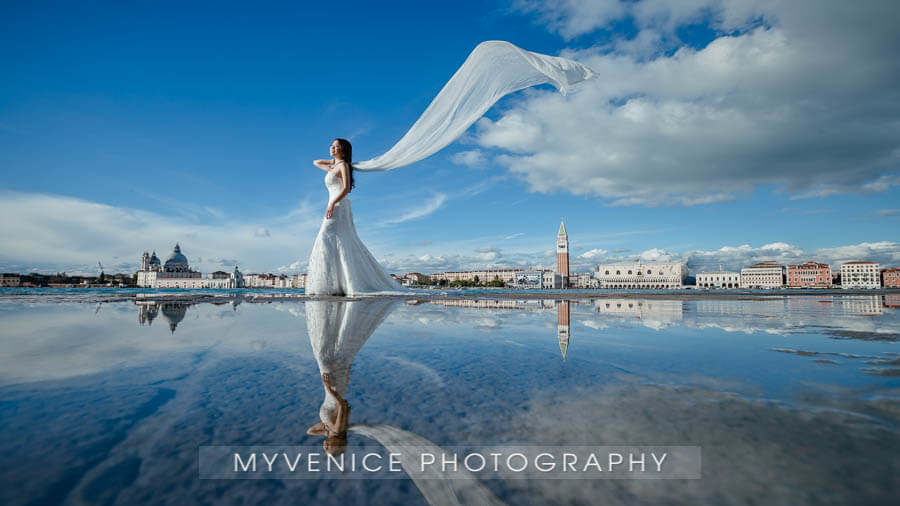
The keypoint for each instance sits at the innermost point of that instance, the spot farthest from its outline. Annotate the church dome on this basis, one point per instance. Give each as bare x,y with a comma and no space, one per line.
176,262
154,260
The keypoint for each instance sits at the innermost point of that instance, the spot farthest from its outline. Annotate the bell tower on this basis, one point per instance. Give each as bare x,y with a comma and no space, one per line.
562,254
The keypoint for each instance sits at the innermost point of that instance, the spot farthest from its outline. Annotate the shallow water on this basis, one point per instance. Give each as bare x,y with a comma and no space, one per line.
792,400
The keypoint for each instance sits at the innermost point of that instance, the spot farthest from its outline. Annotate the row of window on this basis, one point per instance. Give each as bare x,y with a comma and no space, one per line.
619,273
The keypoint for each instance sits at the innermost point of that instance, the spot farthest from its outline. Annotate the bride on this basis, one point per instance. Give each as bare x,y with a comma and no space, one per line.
339,263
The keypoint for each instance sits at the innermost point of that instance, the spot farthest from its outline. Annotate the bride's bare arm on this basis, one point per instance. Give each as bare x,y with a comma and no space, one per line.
325,165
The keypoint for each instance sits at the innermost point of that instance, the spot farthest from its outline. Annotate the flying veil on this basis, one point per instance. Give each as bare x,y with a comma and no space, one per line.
493,70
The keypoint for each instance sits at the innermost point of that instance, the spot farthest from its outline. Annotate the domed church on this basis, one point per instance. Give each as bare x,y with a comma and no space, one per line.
177,273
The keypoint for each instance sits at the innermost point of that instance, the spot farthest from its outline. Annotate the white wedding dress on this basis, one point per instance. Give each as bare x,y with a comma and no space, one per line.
339,263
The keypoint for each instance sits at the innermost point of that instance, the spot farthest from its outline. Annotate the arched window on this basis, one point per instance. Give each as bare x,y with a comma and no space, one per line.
629,272
649,271
607,273
618,272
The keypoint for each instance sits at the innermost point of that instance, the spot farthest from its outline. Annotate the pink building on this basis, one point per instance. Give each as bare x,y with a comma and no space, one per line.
890,278
810,274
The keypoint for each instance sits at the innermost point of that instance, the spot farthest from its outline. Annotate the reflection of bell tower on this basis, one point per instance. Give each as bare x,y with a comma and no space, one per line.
562,326
562,255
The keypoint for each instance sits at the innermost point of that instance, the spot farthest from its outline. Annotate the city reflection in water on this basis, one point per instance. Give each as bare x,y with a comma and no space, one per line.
791,398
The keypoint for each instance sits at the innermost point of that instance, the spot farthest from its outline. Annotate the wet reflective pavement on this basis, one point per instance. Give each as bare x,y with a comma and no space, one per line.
793,399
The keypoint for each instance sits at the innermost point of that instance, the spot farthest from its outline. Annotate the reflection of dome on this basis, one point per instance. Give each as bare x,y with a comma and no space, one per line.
174,312
176,262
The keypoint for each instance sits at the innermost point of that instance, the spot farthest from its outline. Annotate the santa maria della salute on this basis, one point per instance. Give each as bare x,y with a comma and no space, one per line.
177,273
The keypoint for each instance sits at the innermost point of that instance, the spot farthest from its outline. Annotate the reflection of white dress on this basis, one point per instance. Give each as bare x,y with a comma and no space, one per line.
339,263
337,330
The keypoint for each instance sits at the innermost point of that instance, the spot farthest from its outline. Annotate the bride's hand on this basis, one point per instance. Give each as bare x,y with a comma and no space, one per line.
330,211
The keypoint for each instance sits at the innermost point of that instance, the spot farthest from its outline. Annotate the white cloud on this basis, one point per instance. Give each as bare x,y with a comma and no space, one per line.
54,233
781,97
261,232
474,159
423,210
594,253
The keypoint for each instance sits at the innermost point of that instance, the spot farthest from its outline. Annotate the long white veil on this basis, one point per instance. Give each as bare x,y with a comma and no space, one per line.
494,69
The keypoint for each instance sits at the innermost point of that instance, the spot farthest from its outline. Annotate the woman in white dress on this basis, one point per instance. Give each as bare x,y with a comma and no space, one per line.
339,263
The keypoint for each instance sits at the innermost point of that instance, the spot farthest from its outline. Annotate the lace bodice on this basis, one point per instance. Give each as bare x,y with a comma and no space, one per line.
333,183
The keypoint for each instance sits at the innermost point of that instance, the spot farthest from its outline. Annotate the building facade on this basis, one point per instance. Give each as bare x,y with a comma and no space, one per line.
809,275
10,280
861,274
505,275
638,275
177,273
890,278
562,254
763,275
719,279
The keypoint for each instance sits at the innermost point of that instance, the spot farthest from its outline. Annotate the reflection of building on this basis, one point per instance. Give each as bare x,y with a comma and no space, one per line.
176,273
644,309
174,312
862,274
763,275
865,305
562,327
810,274
640,275
891,300
562,255
890,278
718,279
147,311
494,304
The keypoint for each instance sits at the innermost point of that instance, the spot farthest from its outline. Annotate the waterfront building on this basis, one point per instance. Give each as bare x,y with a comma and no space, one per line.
529,279
810,274
562,254
10,280
763,275
177,273
507,276
860,274
718,279
270,281
583,280
890,278
638,275
415,278
298,281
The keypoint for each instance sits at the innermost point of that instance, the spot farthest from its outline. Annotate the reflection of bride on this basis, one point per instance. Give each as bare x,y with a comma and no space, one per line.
337,331
339,263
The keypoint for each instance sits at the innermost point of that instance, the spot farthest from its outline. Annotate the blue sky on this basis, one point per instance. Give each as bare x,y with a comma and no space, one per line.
718,131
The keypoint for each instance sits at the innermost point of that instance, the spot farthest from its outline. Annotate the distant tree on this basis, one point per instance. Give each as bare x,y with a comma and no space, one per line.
476,279
102,277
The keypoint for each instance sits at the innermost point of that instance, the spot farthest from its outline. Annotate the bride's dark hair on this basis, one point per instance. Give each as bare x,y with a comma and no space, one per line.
347,151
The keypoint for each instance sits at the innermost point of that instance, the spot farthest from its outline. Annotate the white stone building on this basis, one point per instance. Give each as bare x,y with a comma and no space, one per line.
861,274
638,275
176,273
719,279
763,275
